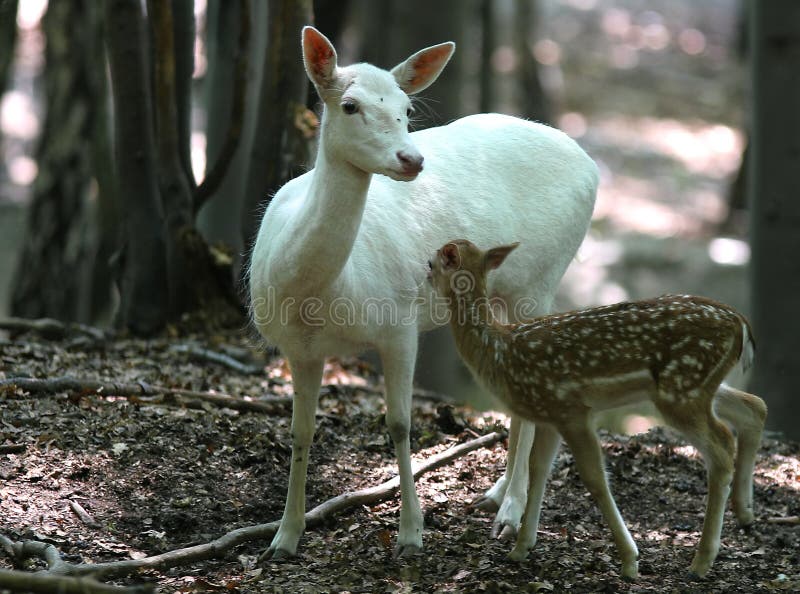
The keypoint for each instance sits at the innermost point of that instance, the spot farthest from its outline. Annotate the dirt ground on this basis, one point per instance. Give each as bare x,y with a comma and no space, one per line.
156,478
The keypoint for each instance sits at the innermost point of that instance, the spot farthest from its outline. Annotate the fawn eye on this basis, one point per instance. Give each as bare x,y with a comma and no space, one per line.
409,111
349,107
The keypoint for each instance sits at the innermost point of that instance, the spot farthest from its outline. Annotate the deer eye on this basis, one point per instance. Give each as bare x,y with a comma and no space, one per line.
409,111
349,107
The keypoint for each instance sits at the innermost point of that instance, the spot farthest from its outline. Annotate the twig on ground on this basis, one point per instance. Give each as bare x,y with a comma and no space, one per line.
83,515
315,517
199,352
138,392
791,520
47,583
12,448
50,328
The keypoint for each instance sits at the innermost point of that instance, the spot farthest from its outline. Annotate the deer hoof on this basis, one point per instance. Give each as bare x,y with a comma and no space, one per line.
630,571
275,554
406,551
504,531
485,504
518,554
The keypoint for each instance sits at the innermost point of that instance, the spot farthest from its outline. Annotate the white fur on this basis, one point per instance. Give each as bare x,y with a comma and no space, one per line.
341,236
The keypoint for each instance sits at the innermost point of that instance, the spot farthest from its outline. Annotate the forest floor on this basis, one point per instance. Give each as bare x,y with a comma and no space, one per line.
160,476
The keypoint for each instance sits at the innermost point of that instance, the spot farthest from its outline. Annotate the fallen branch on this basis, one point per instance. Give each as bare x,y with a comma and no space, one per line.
83,515
50,328
12,448
48,583
19,551
199,352
790,520
137,393
315,517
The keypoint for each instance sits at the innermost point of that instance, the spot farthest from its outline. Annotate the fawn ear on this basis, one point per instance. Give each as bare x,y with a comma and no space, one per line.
424,67
449,256
496,256
319,58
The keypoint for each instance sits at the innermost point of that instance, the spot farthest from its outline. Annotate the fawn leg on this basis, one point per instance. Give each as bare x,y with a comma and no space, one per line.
306,376
588,455
493,498
508,518
715,442
746,413
545,448
507,496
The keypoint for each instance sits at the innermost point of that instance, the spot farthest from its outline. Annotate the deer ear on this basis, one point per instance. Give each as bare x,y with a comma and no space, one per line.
319,58
424,67
449,256
496,256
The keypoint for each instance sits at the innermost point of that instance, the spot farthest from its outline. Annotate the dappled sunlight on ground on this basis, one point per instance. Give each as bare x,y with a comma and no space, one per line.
784,470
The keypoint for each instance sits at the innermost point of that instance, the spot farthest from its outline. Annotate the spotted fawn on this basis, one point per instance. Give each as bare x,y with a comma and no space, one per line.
559,370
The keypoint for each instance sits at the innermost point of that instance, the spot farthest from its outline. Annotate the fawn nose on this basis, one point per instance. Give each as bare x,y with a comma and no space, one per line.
411,163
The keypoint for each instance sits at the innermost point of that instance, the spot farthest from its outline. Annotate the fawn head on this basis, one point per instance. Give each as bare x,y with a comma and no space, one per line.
460,267
367,109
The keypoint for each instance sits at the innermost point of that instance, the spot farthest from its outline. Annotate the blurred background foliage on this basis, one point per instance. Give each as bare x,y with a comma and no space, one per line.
141,141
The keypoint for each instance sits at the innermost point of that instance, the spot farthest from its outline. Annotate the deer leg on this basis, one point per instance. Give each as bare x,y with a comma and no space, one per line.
493,498
746,413
509,493
306,378
545,448
715,442
508,518
398,369
588,455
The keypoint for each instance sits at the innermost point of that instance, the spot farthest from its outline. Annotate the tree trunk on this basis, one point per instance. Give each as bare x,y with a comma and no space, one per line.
533,101
487,21
144,295
420,23
95,301
280,146
48,276
219,219
172,181
8,38
774,190
183,31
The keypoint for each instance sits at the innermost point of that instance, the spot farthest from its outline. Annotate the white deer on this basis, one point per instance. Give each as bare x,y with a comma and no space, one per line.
559,370
339,262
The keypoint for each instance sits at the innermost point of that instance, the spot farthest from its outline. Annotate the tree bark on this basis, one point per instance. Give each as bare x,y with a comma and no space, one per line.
420,23
96,301
144,296
173,183
220,218
533,100
183,32
8,38
281,144
774,183
487,49
224,133
48,276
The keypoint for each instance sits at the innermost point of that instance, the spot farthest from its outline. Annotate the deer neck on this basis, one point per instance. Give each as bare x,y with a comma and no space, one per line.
324,230
480,337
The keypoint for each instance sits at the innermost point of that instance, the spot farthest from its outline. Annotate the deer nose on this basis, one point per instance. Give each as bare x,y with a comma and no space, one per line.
411,163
